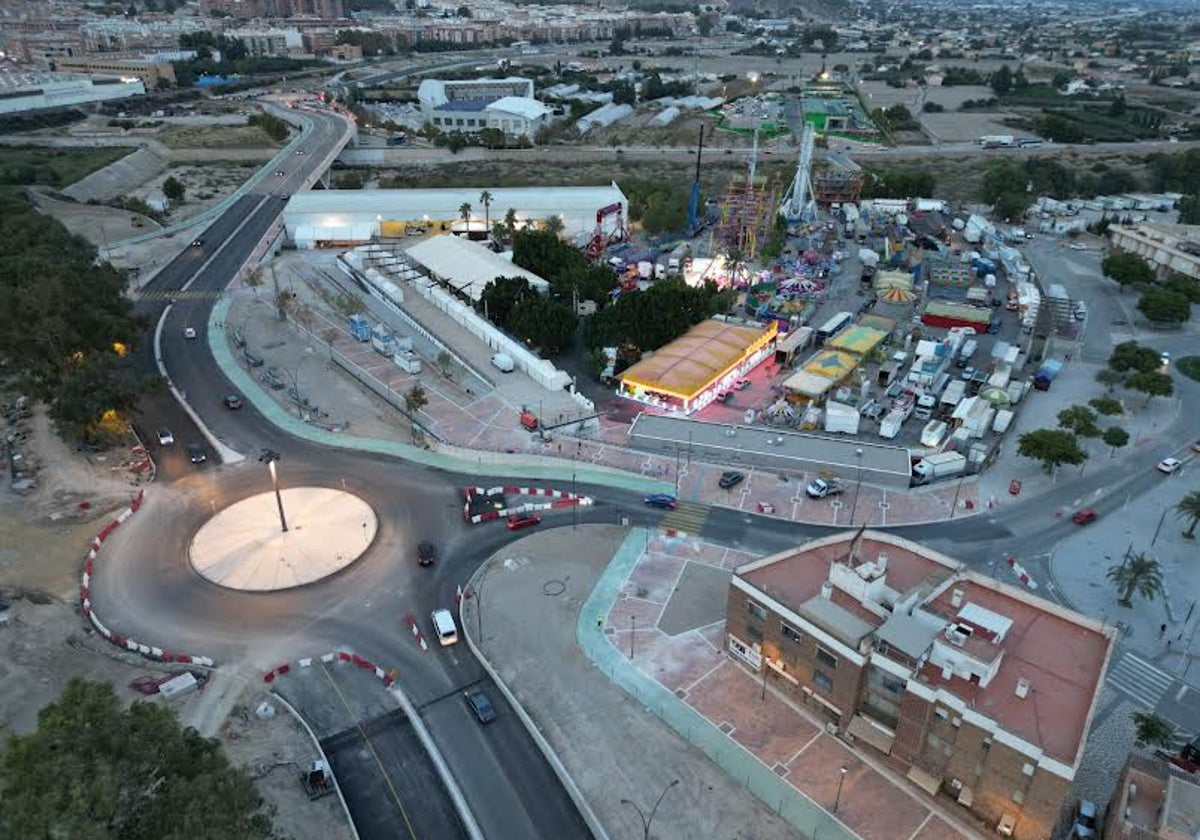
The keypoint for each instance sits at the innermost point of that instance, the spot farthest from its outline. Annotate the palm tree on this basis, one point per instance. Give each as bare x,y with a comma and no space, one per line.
1136,574
510,222
485,198
554,224
464,210
1189,508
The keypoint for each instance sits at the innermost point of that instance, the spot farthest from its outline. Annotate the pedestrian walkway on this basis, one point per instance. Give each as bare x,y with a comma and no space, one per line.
686,518
1138,679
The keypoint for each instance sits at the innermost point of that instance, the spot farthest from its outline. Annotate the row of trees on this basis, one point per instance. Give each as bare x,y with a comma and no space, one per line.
67,330
1130,366
1168,302
898,183
646,320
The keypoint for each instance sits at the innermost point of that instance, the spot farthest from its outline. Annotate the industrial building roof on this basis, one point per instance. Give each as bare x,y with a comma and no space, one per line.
831,364
520,106
468,266
688,364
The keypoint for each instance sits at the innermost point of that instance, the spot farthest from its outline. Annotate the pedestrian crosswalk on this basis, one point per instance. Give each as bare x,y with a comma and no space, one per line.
1140,680
179,294
688,518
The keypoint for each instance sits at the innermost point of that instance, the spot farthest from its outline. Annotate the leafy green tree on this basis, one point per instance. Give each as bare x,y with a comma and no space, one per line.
510,222
1109,378
1127,269
93,771
544,324
1152,383
1106,406
502,296
66,324
1131,356
1150,730
1137,574
1002,80
1079,419
1185,286
173,189
1115,437
1164,306
1189,209
1053,447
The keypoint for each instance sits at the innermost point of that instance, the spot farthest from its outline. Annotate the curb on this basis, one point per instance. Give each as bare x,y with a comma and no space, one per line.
560,770
85,596
316,743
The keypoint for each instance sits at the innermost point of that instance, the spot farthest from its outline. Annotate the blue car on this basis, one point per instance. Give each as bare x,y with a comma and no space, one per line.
661,500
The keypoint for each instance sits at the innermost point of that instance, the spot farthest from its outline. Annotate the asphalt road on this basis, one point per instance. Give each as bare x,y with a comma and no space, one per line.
506,780
156,596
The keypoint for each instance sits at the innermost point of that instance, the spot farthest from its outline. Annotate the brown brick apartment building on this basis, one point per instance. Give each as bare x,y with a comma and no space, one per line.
975,689
1153,801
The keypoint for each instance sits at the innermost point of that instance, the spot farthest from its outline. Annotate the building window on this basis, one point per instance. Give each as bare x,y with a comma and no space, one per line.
1018,796
791,633
826,658
757,610
822,682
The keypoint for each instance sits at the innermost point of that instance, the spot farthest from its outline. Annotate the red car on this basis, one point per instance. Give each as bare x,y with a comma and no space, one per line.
517,521
1084,516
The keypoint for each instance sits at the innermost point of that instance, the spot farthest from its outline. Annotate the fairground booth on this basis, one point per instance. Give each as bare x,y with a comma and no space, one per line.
687,374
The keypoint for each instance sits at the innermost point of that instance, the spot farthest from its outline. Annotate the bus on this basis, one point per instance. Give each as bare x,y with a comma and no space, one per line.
833,326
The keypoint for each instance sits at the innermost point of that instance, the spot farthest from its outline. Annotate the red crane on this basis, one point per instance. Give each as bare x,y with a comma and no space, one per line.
600,239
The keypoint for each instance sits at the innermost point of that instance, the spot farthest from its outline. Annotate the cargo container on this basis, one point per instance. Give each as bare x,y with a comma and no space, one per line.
942,465
841,418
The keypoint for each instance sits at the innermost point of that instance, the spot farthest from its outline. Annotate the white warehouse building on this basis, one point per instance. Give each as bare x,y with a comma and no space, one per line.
471,105
341,218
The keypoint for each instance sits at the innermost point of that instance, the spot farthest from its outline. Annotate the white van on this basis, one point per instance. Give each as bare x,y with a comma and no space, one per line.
443,625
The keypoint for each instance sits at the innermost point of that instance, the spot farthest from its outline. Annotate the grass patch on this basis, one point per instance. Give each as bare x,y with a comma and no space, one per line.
217,137
39,166
1189,366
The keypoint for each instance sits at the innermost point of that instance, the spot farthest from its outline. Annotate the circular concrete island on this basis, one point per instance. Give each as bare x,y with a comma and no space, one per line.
244,546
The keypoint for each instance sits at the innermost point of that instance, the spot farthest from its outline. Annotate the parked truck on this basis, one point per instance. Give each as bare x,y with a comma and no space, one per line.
889,427
360,328
503,363
841,418
1046,373
943,465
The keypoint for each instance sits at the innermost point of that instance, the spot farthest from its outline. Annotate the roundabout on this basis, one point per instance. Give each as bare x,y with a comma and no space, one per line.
251,546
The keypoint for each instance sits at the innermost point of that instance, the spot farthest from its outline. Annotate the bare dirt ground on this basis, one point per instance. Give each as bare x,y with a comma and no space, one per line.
204,186
44,641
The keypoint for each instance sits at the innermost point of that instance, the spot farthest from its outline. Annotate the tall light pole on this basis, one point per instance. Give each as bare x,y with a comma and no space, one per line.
837,800
646,821
269,457
858,453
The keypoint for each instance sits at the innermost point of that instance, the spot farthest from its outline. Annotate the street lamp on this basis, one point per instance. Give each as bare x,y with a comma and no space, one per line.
837,800
857,485
646,821
269,457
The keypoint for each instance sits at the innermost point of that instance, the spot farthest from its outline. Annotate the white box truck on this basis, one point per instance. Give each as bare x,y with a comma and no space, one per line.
841,418
942,465
892,421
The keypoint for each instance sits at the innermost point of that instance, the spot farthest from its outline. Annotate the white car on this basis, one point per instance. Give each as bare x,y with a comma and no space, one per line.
189,332
1075,246
165,438
1169,465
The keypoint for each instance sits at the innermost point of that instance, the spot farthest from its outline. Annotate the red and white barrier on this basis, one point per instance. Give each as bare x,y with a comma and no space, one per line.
85,597
387,677
562,499
1020,572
